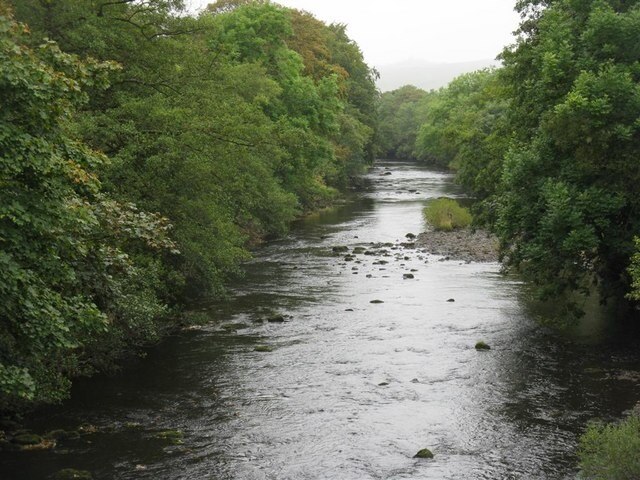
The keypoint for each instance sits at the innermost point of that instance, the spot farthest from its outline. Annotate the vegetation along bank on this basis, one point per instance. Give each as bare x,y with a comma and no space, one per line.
144,151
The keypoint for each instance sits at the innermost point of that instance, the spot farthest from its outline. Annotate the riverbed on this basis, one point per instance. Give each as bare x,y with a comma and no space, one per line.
343,388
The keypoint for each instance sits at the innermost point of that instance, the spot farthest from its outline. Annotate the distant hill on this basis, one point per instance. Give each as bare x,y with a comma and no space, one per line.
425,75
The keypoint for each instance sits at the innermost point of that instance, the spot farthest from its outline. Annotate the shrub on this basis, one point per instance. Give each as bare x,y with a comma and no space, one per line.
611,452
446,214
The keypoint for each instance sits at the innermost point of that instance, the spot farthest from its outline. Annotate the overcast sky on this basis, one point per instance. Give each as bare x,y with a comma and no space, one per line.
429,30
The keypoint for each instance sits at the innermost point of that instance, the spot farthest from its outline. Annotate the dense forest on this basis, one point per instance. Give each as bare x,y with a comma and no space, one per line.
548,144
144,152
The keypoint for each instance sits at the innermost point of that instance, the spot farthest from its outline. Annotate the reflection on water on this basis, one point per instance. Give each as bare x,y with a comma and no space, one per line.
352,389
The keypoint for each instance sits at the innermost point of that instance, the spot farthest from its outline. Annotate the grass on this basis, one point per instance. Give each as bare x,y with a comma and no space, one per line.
446,214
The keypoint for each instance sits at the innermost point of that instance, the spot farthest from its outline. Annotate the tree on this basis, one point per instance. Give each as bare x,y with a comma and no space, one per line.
399,121
64,248
570,204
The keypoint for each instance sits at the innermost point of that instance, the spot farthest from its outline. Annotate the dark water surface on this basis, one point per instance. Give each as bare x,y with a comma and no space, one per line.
351,390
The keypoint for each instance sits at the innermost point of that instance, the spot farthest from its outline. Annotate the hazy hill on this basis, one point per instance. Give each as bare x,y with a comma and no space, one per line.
425,75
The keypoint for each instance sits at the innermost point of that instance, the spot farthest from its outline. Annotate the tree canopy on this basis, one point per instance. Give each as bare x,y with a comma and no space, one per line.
144,153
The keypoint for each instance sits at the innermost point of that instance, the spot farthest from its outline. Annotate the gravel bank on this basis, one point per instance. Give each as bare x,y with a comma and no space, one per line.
467,245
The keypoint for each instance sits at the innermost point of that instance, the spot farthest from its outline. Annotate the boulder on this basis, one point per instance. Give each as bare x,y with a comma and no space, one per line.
424,453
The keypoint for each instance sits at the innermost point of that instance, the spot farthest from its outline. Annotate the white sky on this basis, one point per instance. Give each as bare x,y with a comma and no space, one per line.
393,31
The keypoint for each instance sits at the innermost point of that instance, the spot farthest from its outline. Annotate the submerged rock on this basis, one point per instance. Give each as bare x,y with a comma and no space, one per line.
73,474
424,453
263,348
87,428
276,319
482,346
174,436
408,276
63,435
44,444
27,439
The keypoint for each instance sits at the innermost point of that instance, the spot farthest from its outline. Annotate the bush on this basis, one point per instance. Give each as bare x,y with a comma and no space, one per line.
446,214
611,452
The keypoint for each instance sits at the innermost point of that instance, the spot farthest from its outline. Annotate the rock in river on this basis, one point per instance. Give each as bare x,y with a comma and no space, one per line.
263,348
424,453
73,474
27,439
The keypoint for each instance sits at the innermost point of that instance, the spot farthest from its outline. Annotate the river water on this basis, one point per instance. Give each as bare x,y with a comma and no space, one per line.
351,389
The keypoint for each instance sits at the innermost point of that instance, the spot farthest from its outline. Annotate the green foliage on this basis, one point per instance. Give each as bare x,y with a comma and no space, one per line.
64,248
570,204
399,122
611,452
462,129
228,126
216,122
634,272
446,214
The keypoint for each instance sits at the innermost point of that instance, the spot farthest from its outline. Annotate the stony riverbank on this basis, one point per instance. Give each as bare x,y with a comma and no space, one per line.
465,244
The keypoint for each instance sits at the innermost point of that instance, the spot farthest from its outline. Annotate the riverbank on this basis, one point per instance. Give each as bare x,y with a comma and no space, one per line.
464,244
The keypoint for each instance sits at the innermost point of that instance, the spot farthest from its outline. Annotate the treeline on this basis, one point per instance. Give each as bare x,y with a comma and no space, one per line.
143,151
548,143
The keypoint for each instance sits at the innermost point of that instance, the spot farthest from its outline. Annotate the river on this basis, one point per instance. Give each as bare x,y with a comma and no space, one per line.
351,389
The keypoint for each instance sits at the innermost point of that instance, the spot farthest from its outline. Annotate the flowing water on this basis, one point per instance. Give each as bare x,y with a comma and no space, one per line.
351,389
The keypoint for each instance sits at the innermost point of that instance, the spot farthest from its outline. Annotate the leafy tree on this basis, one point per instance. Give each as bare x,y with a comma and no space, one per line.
399,121
458,122
228,125
570,206
64,248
